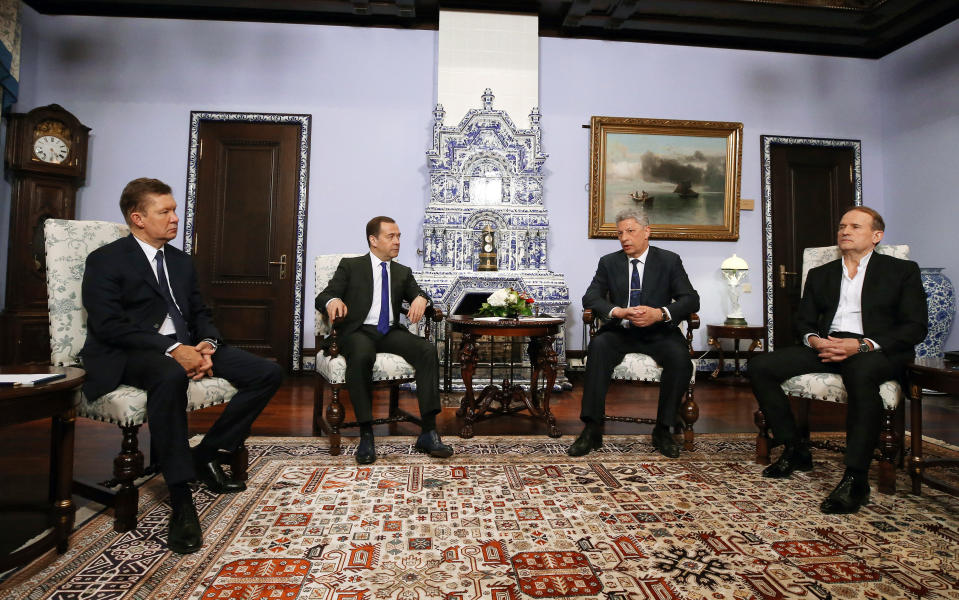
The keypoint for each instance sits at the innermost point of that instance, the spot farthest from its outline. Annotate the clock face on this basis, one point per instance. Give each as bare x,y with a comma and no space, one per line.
488,247
51,149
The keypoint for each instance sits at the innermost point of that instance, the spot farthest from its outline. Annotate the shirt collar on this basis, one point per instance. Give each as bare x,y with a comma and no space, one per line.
149,250
376,261
863,263
641,257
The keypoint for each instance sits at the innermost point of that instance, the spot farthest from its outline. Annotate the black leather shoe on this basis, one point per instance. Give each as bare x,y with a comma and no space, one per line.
184,535
591,438
848,497
366,451
430,443
210,473
664,442
795,457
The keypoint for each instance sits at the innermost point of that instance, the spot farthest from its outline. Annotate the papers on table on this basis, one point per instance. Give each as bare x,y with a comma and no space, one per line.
27,379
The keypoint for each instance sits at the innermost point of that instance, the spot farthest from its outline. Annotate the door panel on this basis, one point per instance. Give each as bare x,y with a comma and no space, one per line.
811,187
245,227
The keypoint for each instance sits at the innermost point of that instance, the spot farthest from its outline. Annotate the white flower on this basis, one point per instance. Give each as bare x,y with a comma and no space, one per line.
499,297
513,297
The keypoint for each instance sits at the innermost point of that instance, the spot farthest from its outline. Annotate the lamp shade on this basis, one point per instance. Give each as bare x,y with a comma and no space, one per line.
734,263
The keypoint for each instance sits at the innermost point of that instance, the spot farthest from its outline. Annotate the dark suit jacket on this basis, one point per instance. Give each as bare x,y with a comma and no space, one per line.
893,304
665,284
353,284
125,309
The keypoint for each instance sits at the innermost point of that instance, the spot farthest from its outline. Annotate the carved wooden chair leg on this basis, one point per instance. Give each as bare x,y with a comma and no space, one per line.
888,446
127,466
318,425
901,431
690,416
802,419
762,438
334,418
394,407
239,461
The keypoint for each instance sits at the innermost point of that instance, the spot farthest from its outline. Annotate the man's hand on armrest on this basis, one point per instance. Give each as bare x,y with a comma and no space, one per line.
335,309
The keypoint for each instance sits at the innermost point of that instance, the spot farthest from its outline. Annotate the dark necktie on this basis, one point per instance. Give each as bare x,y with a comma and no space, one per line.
179,323
635,286
383,326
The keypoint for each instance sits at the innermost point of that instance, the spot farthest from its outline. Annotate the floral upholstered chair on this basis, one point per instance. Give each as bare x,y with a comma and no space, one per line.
67,245
828,387
388,369
640,369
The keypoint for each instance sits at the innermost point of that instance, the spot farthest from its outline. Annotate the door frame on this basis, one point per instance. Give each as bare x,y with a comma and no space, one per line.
766,142
302,185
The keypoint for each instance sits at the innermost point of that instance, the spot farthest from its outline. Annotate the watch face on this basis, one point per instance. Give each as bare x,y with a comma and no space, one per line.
488,247
51,149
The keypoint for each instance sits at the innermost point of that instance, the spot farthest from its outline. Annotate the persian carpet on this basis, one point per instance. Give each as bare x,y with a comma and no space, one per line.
510,518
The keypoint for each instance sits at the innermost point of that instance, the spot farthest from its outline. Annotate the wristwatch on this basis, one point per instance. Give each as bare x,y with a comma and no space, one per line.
863,346
665,315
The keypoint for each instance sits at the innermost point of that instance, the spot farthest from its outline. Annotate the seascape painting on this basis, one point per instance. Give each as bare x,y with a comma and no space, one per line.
683,174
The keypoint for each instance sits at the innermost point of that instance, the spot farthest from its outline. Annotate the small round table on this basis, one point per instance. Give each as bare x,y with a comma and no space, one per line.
714,333
935,374
509,397
21,404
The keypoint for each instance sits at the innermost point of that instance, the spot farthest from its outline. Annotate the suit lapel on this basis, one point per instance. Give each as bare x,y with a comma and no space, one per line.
871,286
396,296
177,280
650,269
140,264
832,288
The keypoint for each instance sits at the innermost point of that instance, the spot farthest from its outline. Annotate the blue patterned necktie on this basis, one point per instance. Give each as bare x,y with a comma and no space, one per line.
179,323
383,326
635,286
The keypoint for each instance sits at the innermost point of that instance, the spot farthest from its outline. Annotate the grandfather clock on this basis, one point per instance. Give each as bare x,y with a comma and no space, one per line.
46,161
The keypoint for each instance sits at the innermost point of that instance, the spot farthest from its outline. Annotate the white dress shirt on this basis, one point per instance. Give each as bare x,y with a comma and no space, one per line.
166,328
373,317
848,315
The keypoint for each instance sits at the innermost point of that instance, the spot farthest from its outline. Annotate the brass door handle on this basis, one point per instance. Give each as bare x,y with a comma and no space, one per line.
782,276
282,263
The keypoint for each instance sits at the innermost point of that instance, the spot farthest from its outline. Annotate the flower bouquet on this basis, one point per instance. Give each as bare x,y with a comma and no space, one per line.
506,302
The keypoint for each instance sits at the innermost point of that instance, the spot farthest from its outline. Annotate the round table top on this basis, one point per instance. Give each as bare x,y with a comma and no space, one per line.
939,366
73,377
529,326
730,330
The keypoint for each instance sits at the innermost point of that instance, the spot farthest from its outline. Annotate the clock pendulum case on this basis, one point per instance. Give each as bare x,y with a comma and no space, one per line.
487,255
46,161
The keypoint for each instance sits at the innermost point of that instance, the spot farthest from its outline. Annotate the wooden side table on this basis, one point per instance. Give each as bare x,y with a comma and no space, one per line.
52,400
933,374
509,398
755,333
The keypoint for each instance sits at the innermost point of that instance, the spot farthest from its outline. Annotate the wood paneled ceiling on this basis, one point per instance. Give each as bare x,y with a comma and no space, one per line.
862,28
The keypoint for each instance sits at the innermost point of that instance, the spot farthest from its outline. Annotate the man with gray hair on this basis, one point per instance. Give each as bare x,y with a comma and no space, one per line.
645,292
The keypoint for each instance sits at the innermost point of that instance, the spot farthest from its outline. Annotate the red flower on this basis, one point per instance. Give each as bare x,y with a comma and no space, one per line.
529,301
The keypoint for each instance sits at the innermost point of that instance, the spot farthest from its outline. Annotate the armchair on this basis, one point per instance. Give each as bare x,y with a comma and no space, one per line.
640,369
389,370
828,387
67,244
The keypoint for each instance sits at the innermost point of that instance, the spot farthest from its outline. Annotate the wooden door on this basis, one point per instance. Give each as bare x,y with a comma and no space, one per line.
244,240
811,187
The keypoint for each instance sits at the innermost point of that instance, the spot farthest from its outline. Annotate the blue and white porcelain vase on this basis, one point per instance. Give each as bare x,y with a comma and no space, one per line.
941,302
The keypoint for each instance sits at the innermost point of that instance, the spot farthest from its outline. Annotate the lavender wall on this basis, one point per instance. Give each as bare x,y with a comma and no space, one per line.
919,88
371,91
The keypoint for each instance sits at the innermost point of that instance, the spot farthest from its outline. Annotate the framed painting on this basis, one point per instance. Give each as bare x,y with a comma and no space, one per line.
685,175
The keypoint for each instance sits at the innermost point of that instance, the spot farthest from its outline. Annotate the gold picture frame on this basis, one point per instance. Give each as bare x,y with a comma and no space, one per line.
692,168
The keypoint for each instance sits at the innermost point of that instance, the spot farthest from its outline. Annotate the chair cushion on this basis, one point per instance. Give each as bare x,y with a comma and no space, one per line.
67,244
386,367
642,367
828,387
127,405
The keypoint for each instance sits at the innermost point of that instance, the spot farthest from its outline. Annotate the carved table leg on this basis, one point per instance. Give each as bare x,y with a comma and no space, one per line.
61,447
468,361
544,360
719,366
915,424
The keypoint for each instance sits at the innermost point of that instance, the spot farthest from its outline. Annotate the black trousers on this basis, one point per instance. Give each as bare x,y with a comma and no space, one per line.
165,382
862,374
668,348
360,348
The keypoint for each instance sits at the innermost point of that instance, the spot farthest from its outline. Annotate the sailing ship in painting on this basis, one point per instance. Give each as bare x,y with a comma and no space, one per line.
685,190
643,199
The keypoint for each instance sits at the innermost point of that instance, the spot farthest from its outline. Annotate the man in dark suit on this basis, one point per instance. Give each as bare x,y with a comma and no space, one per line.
366,293
645,292
860,317
141,334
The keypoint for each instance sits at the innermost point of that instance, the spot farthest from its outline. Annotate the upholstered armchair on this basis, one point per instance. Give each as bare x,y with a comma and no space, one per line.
67,244
640,369
389,370
828,387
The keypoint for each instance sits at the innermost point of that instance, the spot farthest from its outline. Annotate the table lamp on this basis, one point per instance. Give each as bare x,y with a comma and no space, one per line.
734,271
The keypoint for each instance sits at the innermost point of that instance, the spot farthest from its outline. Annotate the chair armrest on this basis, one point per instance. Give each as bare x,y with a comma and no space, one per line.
692,322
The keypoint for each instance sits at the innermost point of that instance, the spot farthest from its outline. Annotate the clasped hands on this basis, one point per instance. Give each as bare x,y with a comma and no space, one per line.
639,316
197,360
833,349
336,309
